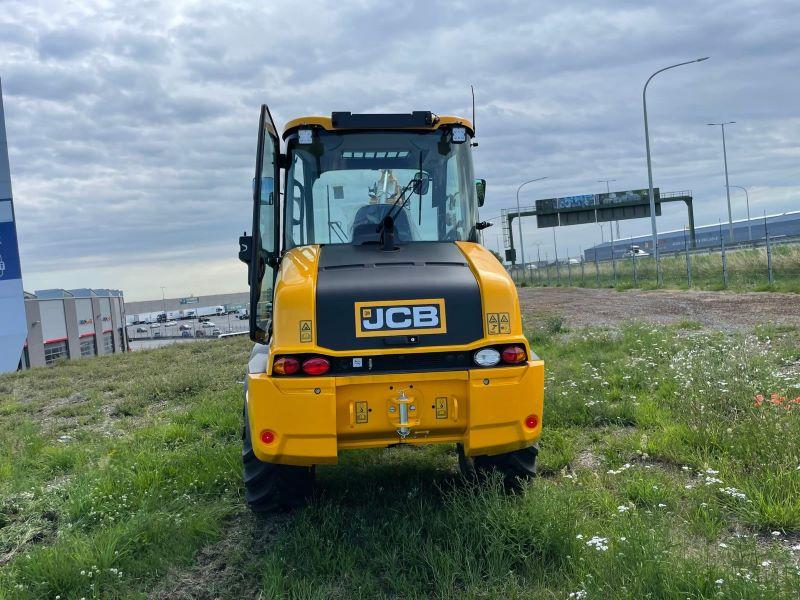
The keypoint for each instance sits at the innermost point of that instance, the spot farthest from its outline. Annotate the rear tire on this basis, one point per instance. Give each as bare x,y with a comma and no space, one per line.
272,487
515,467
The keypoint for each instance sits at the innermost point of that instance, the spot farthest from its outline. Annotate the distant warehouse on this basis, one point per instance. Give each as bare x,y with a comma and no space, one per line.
781,227
72,324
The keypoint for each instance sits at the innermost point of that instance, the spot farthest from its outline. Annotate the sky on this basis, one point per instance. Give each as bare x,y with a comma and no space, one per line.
132,125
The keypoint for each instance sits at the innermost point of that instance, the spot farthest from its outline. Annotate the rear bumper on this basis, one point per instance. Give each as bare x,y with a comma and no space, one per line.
312,418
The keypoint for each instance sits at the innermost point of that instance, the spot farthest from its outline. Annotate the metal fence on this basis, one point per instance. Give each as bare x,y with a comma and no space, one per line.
774,264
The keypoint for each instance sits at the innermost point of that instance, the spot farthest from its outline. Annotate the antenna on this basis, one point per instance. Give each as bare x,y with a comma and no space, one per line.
474,127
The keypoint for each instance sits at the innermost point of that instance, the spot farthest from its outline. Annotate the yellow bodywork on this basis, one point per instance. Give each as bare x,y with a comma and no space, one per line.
314,417
327,124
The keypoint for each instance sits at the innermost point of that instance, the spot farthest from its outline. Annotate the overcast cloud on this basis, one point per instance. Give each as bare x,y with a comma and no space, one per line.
132,126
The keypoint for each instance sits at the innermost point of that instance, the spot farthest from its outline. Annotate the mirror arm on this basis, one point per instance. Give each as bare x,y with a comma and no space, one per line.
480,225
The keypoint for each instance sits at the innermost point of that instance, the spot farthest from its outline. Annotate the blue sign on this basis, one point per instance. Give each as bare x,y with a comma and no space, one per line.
9,255
582,201
13,325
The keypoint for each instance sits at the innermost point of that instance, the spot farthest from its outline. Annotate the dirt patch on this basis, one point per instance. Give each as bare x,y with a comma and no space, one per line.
582,307
587,459
224,569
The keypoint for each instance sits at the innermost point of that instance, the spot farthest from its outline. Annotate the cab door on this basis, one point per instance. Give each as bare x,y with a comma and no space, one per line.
264,250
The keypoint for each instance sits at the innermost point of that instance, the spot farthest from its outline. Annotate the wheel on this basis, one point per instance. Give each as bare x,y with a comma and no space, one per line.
515,467
271,487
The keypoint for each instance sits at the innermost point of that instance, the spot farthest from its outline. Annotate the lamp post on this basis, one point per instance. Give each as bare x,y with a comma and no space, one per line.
608,191
727,186
749,226
519,223
649,162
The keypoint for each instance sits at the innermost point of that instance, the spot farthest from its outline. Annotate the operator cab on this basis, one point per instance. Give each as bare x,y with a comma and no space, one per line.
364,180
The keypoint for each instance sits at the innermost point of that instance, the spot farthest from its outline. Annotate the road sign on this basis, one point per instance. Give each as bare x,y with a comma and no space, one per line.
13,325
595,208
189,300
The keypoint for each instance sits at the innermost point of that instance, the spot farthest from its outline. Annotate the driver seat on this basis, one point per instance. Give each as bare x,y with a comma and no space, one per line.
368,218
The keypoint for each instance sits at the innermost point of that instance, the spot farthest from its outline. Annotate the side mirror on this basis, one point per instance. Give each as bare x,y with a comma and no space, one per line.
245,248
480,187
422,182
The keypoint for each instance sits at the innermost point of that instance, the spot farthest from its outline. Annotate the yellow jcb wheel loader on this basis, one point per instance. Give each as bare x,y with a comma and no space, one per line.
378,317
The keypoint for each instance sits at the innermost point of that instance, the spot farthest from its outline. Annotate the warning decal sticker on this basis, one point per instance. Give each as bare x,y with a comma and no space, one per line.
498,323
305,331
362,412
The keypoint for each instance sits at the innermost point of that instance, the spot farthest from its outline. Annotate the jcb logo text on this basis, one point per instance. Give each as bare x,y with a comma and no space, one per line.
381,318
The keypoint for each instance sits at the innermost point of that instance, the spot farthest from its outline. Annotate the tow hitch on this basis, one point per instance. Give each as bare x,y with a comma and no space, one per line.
403,413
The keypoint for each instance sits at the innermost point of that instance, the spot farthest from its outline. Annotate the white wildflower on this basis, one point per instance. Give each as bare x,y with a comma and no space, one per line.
624,467
599,543
733,492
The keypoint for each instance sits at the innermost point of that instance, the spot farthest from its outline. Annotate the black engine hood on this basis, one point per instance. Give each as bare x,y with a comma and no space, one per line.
349,274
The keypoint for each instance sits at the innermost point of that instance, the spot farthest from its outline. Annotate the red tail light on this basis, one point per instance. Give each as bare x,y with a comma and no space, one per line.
267,436
286,365
513,355
316,366
531,421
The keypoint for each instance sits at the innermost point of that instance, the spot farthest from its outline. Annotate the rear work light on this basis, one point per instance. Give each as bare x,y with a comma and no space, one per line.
513,355
286,365
316,366
486,357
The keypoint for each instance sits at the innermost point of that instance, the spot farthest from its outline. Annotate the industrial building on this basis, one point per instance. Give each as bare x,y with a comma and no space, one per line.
781,227
72,324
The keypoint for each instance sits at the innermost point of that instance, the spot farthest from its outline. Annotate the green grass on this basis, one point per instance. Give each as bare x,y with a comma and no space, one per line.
747,271
120,478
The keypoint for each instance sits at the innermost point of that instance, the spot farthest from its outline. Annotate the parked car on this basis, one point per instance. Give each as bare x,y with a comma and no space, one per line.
155,326
185,327
243,317
203,319
636,251
141,330
185,333
208,325
170,323
157,334
215,332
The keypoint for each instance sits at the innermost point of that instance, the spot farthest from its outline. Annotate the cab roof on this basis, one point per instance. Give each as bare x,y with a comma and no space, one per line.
344,121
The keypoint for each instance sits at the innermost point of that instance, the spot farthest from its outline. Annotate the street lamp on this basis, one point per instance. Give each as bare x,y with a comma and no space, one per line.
649,163
519,223
749,226
608,191
725,157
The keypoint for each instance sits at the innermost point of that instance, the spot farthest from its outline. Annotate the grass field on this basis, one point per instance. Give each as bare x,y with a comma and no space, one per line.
747,271
663,476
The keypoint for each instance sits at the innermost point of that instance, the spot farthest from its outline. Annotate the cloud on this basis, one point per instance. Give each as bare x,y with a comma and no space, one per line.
132,126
